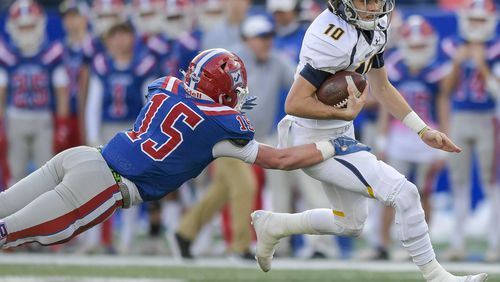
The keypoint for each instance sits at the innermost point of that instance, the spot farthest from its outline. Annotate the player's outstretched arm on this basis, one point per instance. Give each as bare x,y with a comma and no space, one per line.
302,102
286,158
394,102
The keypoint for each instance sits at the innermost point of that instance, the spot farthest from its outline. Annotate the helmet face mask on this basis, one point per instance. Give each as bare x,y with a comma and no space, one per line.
105,14
477,21
147,16
26,25
362,16
419,42
219,76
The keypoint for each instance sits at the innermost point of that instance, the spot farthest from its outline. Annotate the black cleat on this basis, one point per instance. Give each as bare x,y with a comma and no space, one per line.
184,246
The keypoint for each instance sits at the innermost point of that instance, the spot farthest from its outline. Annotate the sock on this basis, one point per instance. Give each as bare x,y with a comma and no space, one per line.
420,249
433,271
314,222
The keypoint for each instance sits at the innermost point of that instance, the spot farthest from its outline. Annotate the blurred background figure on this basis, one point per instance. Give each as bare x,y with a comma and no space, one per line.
289,31
33,89
105,14
209,13
472,89
148,17
118,85
74,16
226,34
415,71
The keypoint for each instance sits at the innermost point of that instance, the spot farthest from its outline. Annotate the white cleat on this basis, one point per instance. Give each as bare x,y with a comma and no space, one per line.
481,277
266,242
470,278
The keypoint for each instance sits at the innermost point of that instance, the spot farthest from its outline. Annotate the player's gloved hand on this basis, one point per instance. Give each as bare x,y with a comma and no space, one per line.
61,134
250,103
345,145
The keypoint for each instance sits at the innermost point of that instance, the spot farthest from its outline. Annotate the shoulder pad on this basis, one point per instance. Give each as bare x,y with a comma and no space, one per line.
7,57
214,109
100,65
493,51
158,45
168,83
392,66
146,65
53,53
328,43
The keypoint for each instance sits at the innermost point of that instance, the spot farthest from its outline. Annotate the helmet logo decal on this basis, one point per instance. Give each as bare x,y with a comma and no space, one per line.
237,78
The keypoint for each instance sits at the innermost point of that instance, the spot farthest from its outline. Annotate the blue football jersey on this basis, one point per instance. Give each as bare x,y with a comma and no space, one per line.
172,139
420,89
289,44
471,93
30,78
122,87
73,60
174,55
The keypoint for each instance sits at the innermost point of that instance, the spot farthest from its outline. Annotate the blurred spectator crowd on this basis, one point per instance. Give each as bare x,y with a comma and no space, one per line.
83,88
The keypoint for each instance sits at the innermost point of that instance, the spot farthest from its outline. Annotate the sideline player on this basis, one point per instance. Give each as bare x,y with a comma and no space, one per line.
415,71
351,35
184,126
473,90
33,89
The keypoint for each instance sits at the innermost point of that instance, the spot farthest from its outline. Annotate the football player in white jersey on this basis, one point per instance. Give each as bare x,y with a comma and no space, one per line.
351,35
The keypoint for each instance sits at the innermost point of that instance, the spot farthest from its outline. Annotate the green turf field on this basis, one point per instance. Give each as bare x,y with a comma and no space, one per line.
75,273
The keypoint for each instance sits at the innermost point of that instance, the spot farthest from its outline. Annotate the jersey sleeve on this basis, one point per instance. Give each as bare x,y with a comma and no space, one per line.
233,124
247,153
323,52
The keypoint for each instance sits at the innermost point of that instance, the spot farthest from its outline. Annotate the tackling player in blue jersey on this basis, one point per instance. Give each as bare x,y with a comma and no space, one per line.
184,126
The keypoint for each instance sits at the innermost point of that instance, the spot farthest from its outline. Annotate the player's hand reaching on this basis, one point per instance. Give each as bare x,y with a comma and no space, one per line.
439,140
250,103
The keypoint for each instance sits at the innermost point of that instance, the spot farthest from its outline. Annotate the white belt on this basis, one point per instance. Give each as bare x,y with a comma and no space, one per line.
286,123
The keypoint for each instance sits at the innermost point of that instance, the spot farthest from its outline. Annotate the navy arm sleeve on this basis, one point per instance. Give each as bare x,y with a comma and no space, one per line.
378,61
314,76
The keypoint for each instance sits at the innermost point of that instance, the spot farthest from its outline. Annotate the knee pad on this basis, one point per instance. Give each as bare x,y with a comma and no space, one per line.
350,229
410,217
353,231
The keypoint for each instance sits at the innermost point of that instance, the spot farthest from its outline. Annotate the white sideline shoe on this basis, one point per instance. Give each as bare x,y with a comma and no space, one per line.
266,242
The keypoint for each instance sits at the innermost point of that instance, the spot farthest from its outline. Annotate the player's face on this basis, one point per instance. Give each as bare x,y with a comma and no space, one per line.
261,46
237,8
121,42
370,6
283,18
74,23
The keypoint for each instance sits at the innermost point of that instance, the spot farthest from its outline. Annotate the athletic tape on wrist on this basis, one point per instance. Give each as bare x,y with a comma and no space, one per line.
414,122
326,148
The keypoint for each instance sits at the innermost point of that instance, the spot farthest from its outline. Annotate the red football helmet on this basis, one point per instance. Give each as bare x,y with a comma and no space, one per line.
147,16
106,13
477,20
26,24
217,75
418,42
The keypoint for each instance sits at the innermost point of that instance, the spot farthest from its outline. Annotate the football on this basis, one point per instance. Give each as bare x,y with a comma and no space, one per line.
333,91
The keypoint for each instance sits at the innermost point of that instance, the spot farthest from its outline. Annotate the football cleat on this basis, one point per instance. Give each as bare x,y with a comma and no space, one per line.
266,242
346,145
476,278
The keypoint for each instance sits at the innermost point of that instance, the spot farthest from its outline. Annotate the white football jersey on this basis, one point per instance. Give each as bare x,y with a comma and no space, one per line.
331,45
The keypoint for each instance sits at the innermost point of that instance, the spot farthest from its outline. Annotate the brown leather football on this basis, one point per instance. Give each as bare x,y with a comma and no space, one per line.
333,91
